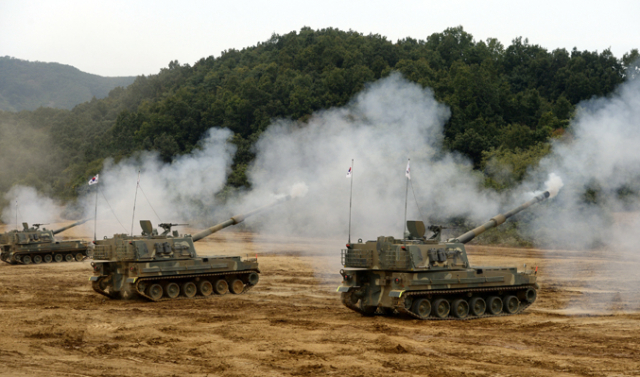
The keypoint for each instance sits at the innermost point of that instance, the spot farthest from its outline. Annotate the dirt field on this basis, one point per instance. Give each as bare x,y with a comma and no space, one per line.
292,323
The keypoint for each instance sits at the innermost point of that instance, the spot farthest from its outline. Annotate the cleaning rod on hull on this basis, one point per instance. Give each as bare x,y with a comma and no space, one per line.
134,203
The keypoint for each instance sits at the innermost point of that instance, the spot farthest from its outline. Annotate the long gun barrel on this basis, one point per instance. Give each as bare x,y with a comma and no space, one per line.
70,226
497,220
235,220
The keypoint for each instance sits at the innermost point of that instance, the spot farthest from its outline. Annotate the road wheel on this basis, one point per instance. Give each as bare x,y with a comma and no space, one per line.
253,278
477,306
58,258
155,291
530,295
47,258
421,307
221,287
26,259
37,259
237,286
68,257
79,257
172,290
205,288
441,308
460,308
494,305
189,289
17,258
511,304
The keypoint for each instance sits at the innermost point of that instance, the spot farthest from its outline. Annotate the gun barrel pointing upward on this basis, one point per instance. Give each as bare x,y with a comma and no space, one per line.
499,219
70,226
235,220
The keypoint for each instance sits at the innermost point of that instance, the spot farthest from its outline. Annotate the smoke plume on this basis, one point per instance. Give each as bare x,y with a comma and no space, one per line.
387,123
597,209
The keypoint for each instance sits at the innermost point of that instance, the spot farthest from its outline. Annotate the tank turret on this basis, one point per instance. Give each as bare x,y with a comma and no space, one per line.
165,266
35,245
427,278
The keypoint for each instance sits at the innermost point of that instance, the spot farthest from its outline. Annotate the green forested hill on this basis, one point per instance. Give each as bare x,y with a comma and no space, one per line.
506,102
28,85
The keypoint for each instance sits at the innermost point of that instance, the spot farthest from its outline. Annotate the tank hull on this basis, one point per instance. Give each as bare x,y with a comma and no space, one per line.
173,279
370,292
59,251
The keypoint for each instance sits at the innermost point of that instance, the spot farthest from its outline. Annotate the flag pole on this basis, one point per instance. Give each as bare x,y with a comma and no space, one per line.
406,195
134,203
95,217
350,200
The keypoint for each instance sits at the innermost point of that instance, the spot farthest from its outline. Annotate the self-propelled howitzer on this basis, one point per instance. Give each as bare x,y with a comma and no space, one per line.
166,266
427,278
35,245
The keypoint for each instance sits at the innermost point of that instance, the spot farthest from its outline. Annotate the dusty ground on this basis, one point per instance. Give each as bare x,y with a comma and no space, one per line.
292,323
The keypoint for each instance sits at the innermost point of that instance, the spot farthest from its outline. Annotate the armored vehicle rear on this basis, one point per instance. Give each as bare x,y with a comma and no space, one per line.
431,279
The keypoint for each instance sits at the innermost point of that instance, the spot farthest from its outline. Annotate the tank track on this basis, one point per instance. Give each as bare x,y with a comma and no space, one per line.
32,254
345,298
96,286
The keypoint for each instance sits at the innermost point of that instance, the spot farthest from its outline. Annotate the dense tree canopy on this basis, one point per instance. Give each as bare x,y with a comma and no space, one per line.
505,102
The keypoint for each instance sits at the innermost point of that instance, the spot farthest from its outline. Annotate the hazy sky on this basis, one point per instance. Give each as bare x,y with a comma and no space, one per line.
128,38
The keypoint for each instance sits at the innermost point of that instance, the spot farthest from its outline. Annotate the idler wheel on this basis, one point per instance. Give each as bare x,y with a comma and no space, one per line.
26,259
79,257
37,259
494,305
348,298
460,308
253,278
221,287
58,258
189,289
530,295
367,310
205,288
47,258
68,257
511,304
155,291
477,306
237,286
386,311
422,307
172,290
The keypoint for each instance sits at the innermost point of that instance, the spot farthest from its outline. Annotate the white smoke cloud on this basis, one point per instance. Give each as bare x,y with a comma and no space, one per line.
388,122
600,167
176,192
31,208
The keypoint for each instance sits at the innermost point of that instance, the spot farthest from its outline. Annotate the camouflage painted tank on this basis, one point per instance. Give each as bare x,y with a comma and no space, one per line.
35,245
427,278
166,265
